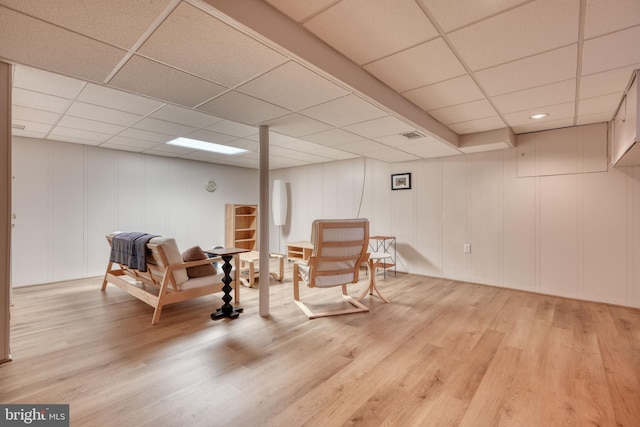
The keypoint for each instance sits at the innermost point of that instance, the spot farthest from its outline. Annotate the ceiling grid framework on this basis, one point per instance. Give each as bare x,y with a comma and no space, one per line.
134,75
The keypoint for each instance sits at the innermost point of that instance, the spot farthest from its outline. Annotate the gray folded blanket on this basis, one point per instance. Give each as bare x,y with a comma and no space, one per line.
130,249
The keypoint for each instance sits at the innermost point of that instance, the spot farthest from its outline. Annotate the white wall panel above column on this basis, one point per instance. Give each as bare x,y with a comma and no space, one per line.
578,149
559,235
455,208
519,226
485,217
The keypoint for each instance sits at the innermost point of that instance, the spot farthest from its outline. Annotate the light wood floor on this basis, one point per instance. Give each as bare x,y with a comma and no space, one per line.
443,353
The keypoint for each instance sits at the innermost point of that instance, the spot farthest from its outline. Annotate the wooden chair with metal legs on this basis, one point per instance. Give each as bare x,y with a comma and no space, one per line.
339,248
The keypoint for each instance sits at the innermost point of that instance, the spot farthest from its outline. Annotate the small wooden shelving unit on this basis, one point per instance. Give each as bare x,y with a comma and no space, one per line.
299,250
241,228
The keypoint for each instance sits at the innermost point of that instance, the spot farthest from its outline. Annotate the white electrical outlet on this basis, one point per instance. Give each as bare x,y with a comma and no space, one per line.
467,248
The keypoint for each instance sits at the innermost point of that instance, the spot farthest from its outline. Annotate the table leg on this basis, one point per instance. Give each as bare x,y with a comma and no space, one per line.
372,282
227,310
279,276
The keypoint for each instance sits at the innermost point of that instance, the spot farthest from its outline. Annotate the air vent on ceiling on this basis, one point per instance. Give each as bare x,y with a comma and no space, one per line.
412,135
15,126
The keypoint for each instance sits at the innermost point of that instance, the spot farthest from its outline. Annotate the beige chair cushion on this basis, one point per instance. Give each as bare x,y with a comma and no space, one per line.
171,251
195,253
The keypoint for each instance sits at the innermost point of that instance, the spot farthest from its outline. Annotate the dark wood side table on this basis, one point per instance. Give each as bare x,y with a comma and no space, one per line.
227,310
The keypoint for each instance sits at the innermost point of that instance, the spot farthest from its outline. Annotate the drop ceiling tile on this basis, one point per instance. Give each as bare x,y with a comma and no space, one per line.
42,81
205,135
530,72
32,42
185,116
453,14
123,141
293,87
555,93
427,63
556,113
304,146
588,119
606,82
344,111
600,104
158,81
309,157
333,137
194,41
296,125
117,100
33,115
92,138
71,139
606,16
245,144
276,139
391,155
331,153
382,126
89,125
280,152
353,27
468,111
399,141
30,126
118,22
451,92
535,127
39,101
146,135
242,108
479,125
300,10
342,155
232,128
612,51
432,150
113,146
165,149
28,134
362,147
106,115
161,126
527,30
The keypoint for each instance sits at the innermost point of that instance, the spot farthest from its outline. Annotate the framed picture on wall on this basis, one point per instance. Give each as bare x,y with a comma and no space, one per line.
401,181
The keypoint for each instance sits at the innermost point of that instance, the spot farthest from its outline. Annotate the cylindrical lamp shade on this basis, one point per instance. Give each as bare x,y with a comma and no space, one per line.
279,202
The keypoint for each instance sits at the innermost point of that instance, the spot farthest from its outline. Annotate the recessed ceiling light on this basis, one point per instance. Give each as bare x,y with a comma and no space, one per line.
538,116
206,146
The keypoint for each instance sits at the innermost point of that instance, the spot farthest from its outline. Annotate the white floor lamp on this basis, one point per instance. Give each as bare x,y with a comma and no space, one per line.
279,206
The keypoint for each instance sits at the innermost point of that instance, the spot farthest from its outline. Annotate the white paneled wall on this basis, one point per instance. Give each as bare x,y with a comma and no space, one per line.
574,235
67,197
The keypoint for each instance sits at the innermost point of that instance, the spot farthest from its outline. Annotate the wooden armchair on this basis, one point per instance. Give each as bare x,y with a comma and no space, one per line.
339,248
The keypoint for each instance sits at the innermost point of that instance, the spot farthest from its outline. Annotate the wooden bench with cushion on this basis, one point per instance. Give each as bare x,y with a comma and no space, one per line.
171,276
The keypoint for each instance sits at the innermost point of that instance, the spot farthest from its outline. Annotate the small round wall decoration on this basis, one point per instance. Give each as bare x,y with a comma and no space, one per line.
210,186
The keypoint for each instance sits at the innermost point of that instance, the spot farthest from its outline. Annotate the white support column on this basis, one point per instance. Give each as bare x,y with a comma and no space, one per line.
263,215
5,208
